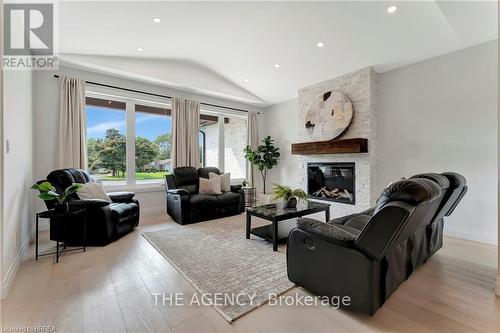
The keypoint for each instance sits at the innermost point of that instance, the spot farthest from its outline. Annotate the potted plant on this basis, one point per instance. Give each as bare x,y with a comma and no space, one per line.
49,193
288,195
265,157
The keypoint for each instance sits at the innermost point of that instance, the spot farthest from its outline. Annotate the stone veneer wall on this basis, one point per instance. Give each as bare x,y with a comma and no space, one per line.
362,88
234,140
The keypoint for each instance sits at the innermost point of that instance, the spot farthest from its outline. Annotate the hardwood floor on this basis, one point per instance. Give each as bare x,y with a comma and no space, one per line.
109,289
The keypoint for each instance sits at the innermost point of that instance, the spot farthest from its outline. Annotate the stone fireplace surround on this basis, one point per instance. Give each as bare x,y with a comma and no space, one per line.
362,88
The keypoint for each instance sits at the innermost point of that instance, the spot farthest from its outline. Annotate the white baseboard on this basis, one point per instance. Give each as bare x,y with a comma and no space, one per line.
153,211
467,233
11,273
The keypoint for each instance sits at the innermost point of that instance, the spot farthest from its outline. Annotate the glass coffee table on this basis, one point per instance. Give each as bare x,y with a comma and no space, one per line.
279,215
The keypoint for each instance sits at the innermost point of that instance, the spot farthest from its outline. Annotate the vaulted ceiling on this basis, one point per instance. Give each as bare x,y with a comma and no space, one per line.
230,49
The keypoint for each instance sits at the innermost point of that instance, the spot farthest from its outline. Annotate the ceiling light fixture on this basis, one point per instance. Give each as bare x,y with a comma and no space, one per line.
156,19
320,44
277,65
246,80
140,49
392,9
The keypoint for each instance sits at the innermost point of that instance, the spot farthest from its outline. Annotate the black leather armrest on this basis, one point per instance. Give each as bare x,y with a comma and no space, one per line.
326,231
178,191
121,196
88,203
236,188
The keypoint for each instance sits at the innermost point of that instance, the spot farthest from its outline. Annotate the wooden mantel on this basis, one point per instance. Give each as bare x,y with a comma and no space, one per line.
334,146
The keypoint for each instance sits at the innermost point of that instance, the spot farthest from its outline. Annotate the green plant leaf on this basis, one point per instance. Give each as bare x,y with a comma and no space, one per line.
47,196
72,189
45,187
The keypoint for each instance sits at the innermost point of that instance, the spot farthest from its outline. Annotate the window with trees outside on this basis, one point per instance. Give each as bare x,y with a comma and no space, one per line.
106,139
129,140
152,143
107,142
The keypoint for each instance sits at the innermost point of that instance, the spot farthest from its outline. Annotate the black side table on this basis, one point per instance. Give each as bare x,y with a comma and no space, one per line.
63,217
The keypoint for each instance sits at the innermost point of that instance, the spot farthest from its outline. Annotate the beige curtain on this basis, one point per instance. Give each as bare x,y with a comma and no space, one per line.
185,133
72,137
253,142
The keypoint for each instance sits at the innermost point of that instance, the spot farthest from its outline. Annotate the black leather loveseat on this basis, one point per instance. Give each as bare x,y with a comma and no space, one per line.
186,205
106,221
366,256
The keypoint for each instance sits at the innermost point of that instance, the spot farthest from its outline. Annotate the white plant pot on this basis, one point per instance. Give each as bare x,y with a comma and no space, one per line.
264,199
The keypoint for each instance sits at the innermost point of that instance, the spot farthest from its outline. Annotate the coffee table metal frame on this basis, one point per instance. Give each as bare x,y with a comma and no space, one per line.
271,232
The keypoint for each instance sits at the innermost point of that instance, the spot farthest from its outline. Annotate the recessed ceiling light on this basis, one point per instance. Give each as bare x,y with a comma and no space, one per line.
156,19
277,65
246,80
140,49
320,44
392,9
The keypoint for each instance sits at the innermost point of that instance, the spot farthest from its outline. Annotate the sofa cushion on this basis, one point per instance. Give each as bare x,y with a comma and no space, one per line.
329,232
412,191
203,172
63,178
358,222
228,199
186,178
123,211
210,186
441,180
203,203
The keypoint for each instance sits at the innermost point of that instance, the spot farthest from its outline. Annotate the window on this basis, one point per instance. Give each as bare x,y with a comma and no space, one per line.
129,139
106,140
152,144
235,141
209,140
126,135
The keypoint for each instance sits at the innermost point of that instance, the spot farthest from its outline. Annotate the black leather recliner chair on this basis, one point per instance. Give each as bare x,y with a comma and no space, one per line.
456,191
364,256
428,239
186,205
106,221
368,255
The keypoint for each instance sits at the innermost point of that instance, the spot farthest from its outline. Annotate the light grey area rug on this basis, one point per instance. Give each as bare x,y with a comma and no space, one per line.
216,258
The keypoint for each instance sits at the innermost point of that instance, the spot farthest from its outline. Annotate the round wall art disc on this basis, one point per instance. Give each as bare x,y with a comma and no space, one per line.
329,115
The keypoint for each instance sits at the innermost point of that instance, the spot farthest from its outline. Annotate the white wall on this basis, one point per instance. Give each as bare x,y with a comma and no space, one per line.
46,97
281,123
441,115
18,175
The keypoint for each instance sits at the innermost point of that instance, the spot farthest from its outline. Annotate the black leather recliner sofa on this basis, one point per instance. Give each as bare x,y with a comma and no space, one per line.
106,221
366,256
186,205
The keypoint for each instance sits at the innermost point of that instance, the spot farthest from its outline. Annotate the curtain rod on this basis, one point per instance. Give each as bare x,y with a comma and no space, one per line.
157,95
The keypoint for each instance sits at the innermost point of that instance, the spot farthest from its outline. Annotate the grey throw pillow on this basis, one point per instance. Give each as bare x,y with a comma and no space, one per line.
210,186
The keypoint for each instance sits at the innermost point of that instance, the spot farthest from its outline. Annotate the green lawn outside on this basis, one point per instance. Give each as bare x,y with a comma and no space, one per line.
139,176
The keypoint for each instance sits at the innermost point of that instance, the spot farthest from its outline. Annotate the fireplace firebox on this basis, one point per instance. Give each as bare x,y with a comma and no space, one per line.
332,181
